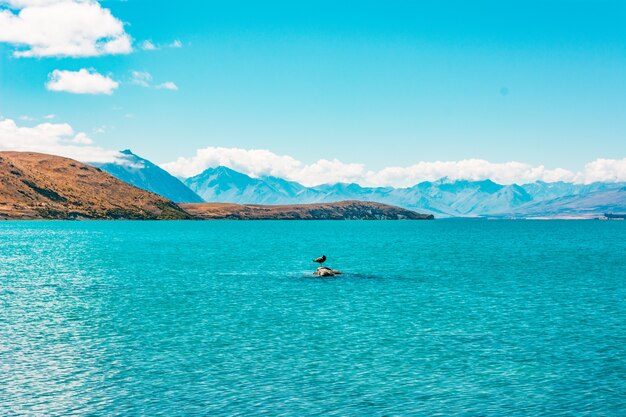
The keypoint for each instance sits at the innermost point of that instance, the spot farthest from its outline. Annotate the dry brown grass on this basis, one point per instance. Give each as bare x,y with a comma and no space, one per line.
40,186
342,210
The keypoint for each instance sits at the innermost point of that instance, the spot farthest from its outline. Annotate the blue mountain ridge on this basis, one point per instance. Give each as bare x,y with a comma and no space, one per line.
443,198
598,200
144,174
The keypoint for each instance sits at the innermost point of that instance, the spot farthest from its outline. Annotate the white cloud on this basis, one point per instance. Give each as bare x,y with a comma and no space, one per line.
258,162
168,86
61,139
74,28
148,46
82,139
49,116
53,138
81,82
327,172
19,4
603,170
468,169
254,162
27,118
142,78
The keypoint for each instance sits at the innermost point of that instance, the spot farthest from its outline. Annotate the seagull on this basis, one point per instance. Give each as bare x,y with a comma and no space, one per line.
320,260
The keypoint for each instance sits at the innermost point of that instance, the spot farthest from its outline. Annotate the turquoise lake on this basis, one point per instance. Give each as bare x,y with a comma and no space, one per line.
445,317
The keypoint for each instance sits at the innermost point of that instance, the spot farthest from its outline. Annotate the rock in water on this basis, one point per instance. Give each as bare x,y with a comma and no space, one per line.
324,271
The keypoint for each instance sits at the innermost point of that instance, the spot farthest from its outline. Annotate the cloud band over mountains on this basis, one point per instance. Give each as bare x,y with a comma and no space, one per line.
256,162
61,139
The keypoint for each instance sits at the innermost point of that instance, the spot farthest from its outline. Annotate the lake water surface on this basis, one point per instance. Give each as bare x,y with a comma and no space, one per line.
446,317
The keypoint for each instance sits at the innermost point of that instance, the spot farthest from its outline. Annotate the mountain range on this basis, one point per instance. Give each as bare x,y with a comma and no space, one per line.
144,174
443,198
42,186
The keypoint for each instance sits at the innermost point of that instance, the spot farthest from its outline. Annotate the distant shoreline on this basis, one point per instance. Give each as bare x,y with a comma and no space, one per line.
35,186
42,186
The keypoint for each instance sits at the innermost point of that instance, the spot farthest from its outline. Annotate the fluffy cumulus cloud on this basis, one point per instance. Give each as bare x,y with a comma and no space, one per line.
61,28
255,162
53,138
83,81
258,162
468,169
608,170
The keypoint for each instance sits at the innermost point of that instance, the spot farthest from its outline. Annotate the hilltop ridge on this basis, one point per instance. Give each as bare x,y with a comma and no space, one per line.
443,198
341,210
40,186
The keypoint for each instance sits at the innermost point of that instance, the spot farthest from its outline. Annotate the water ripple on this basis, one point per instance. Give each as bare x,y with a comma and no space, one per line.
225,318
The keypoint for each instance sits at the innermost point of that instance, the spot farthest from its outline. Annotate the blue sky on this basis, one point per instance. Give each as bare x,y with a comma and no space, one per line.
376,83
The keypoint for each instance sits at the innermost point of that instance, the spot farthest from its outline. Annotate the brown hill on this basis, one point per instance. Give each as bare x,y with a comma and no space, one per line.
39,186
342,210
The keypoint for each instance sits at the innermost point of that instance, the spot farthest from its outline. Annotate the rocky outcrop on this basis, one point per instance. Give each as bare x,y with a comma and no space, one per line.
342,210
324,271
39,186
